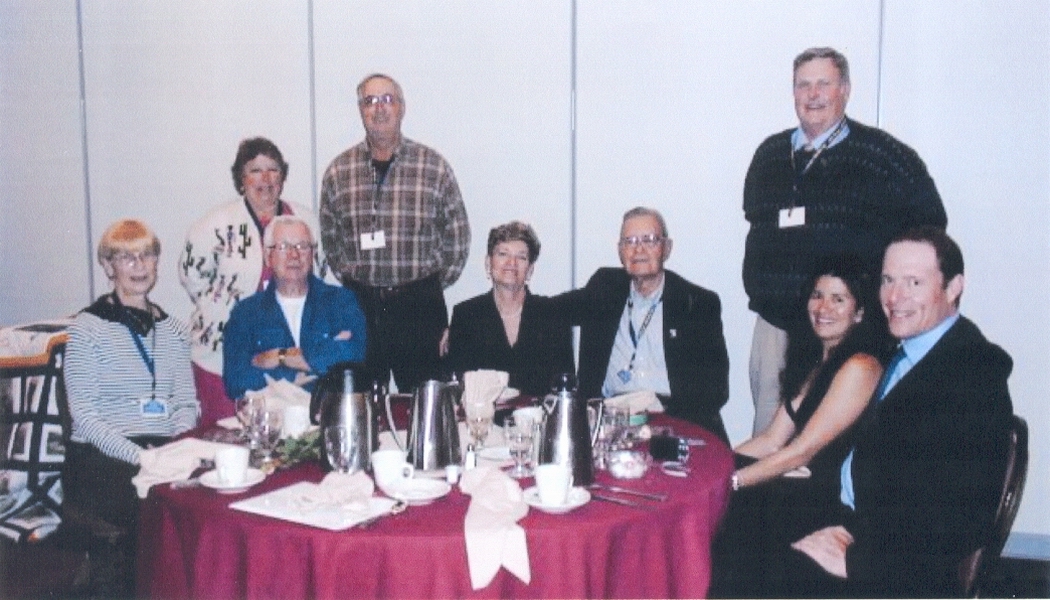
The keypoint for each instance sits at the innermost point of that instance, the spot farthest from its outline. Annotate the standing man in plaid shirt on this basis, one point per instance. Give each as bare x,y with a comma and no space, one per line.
395,231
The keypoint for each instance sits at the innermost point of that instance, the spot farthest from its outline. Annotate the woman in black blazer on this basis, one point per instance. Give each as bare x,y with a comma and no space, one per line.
509,328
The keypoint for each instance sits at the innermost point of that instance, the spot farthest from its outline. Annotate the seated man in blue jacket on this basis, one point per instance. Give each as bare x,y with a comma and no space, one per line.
297,327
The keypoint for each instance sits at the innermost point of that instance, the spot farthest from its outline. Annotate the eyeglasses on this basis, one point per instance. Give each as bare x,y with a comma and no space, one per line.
130,258
285,247
369,101
649,240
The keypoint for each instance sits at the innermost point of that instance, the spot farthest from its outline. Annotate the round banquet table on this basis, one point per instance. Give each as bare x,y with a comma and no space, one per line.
191,545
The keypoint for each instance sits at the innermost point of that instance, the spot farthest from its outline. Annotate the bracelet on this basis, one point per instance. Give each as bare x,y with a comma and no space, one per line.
735,481
281,356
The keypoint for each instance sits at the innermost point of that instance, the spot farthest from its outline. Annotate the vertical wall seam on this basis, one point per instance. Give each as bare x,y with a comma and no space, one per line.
313,106
573,232
84,153
878,67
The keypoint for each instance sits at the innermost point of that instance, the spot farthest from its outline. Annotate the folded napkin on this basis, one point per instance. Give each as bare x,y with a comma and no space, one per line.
484,386
637,402
280,393
231,423
494,538
342,491
171,462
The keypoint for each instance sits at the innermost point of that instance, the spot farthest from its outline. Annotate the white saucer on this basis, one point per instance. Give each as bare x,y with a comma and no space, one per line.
416,492
495,453
211,480
577,498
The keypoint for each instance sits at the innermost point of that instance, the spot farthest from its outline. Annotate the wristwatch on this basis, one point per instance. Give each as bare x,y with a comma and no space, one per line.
281,355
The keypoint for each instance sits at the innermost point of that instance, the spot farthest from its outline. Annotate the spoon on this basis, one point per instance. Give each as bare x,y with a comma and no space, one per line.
397,508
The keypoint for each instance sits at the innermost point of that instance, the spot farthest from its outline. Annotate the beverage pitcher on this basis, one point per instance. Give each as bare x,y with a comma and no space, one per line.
433,435
334,402
566,437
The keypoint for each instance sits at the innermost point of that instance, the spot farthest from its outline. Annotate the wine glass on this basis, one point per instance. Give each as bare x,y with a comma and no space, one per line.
519,439
341,452
247,408
265,432
479,420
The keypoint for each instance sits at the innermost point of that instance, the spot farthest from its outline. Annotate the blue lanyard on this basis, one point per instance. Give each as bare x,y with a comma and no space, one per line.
147,359
641,330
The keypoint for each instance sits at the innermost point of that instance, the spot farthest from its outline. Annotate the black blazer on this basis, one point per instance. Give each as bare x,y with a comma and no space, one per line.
477,340
928,468
694,346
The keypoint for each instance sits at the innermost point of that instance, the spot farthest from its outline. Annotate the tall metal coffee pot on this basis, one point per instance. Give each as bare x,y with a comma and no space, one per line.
566,436
334,402
433,435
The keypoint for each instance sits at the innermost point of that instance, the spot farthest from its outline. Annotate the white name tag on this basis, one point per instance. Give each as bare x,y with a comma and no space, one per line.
373,240
792,217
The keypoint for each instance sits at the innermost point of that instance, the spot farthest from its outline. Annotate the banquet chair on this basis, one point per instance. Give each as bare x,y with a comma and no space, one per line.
976,568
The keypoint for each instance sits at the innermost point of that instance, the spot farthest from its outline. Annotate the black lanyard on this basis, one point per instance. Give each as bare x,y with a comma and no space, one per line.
827,143
641,330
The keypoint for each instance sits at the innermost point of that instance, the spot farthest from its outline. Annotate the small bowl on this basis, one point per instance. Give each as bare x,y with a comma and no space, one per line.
628,464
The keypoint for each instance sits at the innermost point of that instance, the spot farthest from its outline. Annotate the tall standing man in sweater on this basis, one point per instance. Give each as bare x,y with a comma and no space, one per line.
829,186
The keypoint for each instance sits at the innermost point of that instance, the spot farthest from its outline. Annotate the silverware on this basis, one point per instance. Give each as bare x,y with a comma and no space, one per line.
621,490
186,483
620,501
194,480
395,509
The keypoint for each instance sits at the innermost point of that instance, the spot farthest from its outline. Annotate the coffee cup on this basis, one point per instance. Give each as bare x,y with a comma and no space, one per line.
390,465
296,420
528,415
553,482
231,465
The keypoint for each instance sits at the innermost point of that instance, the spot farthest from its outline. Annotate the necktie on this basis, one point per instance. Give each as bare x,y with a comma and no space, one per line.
890,378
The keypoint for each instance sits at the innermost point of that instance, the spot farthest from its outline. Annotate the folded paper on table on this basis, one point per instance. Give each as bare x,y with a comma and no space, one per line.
637,402
171,462
334,504
280,393
494,538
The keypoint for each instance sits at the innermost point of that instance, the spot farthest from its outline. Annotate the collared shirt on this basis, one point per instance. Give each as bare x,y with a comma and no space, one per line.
417,207
800,141
649,370
914,349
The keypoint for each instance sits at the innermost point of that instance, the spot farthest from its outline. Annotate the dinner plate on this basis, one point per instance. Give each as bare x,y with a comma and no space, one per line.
416,492
577,498
211,480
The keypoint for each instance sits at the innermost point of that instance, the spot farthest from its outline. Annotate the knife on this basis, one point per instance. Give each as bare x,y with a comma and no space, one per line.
620,490
620,501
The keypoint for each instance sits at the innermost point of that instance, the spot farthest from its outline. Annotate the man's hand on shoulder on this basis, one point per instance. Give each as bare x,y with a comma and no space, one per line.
828,548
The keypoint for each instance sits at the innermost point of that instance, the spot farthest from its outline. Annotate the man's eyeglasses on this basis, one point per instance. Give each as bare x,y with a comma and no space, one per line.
649,241
129,258
386,99
285,247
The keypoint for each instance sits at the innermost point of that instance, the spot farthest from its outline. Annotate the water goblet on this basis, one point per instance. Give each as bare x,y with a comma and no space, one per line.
479,420
247,407
266,432
339,448
519,439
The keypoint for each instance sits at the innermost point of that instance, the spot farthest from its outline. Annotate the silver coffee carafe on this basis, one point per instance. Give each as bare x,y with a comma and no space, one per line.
566,436
433,434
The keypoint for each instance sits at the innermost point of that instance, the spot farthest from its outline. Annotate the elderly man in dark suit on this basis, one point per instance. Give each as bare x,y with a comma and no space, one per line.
921,487
646,328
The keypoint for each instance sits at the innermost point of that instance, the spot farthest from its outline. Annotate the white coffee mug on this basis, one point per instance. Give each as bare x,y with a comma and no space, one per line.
388,465
296,420
553,482
231,465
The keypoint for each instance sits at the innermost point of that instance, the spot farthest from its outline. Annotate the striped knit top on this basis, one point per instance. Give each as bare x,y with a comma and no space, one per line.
107,381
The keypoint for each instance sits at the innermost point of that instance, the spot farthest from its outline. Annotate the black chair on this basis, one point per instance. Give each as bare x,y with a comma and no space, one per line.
975,570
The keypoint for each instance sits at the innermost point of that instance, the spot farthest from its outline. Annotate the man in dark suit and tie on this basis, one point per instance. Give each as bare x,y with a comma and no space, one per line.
921,487
646,328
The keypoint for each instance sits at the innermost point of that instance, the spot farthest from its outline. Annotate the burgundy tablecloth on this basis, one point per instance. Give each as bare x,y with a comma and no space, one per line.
193,546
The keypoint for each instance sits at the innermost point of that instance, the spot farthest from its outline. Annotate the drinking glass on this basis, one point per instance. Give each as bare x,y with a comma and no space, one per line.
479,420
265,432
519,439
340,449
247,407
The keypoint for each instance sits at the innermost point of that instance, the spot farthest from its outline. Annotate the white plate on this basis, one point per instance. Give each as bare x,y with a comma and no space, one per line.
211,480
495,453
577,498
286,504
416,492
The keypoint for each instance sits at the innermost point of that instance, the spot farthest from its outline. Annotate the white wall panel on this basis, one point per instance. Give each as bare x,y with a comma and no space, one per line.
967,84
172,88
487,85
673,99
42,233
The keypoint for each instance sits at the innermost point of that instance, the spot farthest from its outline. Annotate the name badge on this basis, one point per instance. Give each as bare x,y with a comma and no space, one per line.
624,375
151,407
792,217
373,240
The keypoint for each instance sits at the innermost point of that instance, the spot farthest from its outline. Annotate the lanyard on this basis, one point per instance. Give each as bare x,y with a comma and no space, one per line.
641,330
150,363
827,143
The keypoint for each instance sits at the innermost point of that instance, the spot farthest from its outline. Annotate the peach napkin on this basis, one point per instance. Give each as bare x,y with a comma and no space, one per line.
483,386
343,491
171,462
494,538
